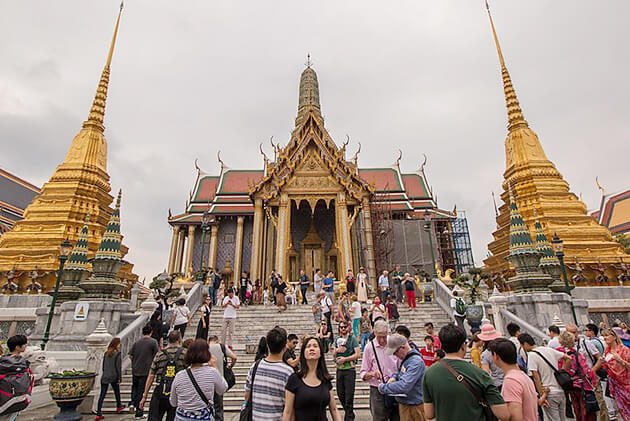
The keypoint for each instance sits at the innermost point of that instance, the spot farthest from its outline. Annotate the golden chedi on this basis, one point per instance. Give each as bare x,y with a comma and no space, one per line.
79,186
540,190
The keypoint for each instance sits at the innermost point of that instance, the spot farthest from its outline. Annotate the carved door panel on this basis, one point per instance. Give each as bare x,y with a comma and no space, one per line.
312,259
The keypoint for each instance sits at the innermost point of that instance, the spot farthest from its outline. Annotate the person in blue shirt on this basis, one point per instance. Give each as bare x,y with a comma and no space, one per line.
328,285
406,385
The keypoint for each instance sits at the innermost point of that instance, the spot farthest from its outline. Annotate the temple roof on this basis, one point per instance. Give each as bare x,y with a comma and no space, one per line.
15,195
228,193
614,212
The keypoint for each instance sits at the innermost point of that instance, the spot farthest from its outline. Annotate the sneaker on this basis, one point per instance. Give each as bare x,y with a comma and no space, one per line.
99,418
119,409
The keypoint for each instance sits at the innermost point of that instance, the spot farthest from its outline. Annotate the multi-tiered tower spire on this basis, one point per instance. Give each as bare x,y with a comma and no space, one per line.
79,185
539,186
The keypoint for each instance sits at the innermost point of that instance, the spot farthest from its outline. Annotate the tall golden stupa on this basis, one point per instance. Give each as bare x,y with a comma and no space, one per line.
539,187
79,186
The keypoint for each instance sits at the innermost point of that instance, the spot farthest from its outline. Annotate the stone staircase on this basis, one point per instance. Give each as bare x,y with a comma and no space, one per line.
254,322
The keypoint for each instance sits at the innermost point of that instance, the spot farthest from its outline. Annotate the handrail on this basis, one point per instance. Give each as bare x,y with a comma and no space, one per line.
443,297
129,335
526,327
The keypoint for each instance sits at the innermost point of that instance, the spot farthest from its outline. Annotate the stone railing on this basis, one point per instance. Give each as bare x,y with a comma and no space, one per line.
195,296
507,317
129,335
443,297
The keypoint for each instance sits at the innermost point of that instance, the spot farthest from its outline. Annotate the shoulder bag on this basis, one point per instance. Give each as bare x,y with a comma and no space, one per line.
246,409
601,372
590,400
487,411
388,401
209,406
564,379
228,373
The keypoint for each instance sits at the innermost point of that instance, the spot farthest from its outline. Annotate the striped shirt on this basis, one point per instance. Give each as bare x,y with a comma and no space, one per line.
183,393
267,397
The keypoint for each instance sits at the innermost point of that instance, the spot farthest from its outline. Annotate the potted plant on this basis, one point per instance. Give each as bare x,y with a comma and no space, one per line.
68,389
471,283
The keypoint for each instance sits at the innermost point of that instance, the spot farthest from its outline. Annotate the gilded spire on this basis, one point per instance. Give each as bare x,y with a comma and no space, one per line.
515,114
520,238
97,112
78,259
110,243
309,93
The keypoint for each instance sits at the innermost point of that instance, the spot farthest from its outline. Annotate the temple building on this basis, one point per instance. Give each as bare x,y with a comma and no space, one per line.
614,212
15,195
311,207
79,186
540,189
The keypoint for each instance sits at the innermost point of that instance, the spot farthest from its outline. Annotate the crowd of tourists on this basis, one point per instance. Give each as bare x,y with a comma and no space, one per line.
450,375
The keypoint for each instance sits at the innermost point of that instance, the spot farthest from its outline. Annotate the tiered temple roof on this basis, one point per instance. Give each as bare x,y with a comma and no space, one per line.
15,196
614,212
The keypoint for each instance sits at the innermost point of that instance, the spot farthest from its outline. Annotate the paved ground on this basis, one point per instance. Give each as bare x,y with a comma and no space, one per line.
49,412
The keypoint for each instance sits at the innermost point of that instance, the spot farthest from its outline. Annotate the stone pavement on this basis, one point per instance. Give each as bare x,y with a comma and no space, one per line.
48,412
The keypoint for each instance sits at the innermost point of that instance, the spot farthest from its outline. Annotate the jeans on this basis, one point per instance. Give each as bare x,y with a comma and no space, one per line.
101,396
213,294
218,407
330,329
137,389
460,321
160,406
243,294
556,411
365,338
609,403
377,407
346,380
304,289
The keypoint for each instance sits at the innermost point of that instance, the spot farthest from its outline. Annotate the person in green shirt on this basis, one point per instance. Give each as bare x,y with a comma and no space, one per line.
346,353
448,399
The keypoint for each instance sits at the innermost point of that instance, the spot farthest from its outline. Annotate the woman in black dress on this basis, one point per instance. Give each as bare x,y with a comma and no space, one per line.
309,391
204,320
281,291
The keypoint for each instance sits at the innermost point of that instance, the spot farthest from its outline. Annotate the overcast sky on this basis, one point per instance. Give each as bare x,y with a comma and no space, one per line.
191,77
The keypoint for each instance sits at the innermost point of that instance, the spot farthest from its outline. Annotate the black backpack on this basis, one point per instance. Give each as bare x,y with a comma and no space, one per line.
16,384
163,388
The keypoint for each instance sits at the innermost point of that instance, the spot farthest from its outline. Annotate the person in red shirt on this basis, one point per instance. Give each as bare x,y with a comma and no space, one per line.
436,340
428,352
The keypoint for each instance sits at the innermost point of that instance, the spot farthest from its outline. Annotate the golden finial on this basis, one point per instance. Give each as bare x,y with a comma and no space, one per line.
599,186
97,112
515,114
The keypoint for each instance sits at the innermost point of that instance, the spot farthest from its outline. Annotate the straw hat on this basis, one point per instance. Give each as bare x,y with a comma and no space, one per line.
489,333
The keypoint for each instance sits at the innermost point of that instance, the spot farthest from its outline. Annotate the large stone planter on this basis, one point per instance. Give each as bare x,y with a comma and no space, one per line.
474,315
68,392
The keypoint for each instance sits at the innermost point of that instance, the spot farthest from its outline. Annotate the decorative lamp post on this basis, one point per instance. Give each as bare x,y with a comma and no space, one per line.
428,229
558,248
64,250
205,227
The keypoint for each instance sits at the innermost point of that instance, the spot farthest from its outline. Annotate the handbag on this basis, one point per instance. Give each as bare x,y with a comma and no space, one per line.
246,409
208,412
487,411
564,379
388,401
228,374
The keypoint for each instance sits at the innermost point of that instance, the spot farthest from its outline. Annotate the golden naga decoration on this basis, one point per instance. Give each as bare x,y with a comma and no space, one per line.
446,277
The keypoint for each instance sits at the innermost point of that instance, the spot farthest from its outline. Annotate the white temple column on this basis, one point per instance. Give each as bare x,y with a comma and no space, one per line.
238,250
188,267
172,256
212,249
254,266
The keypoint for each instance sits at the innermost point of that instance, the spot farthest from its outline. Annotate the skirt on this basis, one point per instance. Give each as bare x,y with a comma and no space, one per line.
280,302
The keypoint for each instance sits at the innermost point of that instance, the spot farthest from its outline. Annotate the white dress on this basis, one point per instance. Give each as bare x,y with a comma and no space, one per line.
362,287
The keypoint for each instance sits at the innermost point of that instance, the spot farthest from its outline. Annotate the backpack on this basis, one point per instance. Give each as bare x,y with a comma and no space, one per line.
460,307
16,384
166,379
393,311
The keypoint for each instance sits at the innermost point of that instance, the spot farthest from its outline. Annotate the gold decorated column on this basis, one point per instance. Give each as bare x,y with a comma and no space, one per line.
238,250
190,246
254,266
172,256
343,232
369,241
212,252
284,212
179,255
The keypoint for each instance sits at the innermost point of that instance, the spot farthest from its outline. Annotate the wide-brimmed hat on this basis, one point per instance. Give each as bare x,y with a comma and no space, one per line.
489,333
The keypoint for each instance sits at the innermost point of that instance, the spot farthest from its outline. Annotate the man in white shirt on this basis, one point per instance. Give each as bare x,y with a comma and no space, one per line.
326,305
554,332
539,363
230,304
459,316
